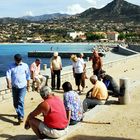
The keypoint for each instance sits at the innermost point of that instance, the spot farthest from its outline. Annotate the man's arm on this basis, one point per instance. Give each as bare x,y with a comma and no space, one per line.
8,78
8,83
41,108
87,95
68,115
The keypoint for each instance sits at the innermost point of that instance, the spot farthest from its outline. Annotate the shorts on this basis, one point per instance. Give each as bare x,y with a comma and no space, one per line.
50,132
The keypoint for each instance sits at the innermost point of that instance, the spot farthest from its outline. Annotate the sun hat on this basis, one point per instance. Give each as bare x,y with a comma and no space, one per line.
45,91
73,58
55,54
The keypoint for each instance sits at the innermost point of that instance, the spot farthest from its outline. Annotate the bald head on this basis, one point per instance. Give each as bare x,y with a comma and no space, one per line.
93,79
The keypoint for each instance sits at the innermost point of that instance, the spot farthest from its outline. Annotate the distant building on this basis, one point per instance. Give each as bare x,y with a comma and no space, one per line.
37,40
82,37
76,34
100,33
112,36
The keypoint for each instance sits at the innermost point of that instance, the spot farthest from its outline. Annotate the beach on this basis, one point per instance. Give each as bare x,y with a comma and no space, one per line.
124,119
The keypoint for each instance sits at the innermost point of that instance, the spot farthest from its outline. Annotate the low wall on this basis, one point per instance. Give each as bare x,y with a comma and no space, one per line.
67,74
126,51
134,48
43,54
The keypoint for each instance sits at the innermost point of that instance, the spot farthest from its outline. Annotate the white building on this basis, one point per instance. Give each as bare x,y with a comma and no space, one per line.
112,36
75,34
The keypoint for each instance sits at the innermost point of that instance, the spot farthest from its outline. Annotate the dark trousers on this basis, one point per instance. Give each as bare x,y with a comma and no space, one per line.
56,73
98,74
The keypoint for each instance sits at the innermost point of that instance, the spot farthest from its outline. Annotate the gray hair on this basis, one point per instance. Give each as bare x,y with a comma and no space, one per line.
45,91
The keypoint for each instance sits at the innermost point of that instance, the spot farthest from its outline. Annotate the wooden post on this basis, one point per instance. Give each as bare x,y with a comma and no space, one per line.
44,66
124,91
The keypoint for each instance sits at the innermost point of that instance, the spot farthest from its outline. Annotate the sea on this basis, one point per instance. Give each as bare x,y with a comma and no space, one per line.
7,52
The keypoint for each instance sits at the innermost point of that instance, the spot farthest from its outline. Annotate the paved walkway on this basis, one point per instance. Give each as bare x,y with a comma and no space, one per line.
121,121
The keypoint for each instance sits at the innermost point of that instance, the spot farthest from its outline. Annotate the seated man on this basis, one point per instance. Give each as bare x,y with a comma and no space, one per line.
97,95
36,76
72,104
54,113
113,88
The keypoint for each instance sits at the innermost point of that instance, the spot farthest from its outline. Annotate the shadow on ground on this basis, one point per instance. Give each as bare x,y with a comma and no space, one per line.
18,137
84,137
77,137
9,118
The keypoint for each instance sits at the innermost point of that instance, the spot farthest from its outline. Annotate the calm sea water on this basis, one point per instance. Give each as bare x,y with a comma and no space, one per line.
7,51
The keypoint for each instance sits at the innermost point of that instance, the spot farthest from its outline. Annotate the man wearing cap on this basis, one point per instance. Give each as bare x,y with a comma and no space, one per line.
39,79
55,67
18,78
97,95
54,116
113,88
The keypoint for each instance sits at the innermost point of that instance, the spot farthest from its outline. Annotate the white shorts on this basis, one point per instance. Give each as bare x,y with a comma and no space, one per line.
53,133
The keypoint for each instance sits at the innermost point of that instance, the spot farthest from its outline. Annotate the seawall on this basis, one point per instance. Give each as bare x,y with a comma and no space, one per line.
67,75
126,50
45,54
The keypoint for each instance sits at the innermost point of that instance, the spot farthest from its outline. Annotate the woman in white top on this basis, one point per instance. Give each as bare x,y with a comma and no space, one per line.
78,69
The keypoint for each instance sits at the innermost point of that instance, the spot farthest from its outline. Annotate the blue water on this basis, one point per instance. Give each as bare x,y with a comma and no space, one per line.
7,51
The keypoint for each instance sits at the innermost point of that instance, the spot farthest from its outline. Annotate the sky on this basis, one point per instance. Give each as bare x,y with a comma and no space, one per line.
19,8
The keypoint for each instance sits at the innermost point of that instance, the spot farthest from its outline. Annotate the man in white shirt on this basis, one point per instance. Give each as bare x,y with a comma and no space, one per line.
55,67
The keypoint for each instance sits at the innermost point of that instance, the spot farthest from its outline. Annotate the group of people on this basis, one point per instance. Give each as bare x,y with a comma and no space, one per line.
57,114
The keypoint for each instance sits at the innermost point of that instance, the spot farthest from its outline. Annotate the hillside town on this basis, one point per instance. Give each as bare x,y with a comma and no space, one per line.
66,31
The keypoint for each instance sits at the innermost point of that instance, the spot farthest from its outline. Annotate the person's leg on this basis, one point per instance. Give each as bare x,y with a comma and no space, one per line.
90,103
58,79
21,98
43,81
34,124
38,82
83,81
15,98
98,74
53,80
77,80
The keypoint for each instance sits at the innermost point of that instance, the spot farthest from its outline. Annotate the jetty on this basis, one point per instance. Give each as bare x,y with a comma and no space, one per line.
48,54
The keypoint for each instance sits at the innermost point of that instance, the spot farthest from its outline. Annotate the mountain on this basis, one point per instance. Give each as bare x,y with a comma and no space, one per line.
45,17
117,10
9,20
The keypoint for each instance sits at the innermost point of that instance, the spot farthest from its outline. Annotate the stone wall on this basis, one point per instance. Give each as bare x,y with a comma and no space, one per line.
126,51
134,48
67,74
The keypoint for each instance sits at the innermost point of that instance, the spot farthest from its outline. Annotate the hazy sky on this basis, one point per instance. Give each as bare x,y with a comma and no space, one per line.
18,8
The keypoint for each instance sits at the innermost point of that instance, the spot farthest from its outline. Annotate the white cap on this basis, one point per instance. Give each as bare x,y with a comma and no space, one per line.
55,54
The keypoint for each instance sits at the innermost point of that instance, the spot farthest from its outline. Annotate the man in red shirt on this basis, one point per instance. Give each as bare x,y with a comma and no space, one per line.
97,64
54,113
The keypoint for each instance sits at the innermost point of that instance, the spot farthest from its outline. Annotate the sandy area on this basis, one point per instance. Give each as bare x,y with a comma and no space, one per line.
124,119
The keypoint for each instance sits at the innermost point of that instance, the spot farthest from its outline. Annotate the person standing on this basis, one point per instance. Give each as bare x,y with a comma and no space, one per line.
39,79
55,67
80,56
78,69
18,78
54,116
97,64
